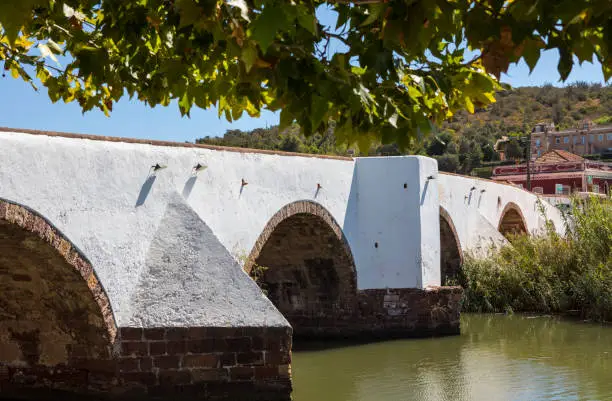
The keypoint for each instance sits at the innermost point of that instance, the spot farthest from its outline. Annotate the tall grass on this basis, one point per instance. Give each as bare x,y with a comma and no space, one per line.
549,273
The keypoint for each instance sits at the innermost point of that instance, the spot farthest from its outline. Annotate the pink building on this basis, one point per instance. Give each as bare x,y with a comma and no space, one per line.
559,172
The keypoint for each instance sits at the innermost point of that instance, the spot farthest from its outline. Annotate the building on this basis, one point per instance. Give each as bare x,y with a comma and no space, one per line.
500,147
559,172
586,139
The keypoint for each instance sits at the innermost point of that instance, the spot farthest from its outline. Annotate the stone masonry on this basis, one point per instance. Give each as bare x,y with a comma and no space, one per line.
206,363
58,338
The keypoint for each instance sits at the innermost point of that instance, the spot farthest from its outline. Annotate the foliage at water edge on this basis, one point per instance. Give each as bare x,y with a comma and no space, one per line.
549,273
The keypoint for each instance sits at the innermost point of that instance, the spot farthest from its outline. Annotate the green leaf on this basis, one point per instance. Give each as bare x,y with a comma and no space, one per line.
15,70
531,53
185,104
318,109
414,93
286,119
249,56
469,106
374,12
189,12
308,21
584,50
14,15
565,63
271,21
607,72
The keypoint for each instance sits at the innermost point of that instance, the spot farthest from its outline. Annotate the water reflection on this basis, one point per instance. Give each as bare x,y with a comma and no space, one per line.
495,358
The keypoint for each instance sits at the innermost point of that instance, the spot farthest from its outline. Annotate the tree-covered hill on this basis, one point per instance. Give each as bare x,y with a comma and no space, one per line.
466,141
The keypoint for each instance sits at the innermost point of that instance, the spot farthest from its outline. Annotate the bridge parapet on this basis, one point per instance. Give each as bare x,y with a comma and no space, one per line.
481,209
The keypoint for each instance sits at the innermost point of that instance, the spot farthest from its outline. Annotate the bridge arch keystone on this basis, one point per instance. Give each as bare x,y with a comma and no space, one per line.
308,267
54,310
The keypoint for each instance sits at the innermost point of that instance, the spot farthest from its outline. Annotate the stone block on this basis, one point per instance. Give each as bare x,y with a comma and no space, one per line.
157,348
240,373
174,377
250,358
134,348
129,364
176,347
131,333
167,362
156,334
238,344
201,361
200,346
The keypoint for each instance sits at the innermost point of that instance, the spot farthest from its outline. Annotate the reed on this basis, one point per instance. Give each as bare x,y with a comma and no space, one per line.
549,273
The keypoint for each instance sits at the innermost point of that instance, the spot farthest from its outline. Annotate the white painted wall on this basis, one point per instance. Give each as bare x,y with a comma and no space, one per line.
90,190
476,214
398,220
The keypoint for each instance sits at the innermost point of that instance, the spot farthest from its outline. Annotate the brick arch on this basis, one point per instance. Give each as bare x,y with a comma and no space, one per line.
54,310
512,221
451,254
309,271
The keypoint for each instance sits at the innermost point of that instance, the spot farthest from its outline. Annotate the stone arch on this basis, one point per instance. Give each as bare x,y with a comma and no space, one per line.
53,309
308,268
512,221
451,254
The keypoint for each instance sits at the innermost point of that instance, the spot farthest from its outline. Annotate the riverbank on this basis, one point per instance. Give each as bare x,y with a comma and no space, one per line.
549,273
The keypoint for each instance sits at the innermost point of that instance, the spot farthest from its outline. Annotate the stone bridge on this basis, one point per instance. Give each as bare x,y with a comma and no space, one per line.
122,262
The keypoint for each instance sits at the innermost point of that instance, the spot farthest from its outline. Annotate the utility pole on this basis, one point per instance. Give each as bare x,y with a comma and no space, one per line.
529,161
528,150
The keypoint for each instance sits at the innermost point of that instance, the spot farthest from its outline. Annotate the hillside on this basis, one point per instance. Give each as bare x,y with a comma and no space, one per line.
466,141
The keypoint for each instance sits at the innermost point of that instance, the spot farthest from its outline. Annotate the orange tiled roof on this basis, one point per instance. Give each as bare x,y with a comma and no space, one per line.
558,156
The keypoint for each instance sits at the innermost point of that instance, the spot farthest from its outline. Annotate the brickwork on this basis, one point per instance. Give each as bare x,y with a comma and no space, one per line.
196,363
512,220
248,363
389,313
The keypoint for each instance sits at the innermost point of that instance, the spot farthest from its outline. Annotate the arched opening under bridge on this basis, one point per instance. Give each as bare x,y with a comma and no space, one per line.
512,221
304,265
53,310
451,256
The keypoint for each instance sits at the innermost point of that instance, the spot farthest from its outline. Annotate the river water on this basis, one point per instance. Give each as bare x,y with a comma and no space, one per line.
496,357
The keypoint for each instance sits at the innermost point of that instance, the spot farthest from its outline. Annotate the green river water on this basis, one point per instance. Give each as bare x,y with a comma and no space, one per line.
496,357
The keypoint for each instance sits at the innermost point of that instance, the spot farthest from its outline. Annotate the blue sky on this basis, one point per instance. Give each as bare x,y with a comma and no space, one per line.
22,107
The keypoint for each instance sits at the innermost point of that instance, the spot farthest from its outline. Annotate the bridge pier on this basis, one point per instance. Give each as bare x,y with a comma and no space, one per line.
376,277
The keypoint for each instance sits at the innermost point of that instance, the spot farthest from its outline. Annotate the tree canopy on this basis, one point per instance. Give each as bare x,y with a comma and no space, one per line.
387,70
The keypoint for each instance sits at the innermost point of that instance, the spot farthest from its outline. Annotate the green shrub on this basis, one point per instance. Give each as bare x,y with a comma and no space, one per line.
549,273
604,120
482,172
